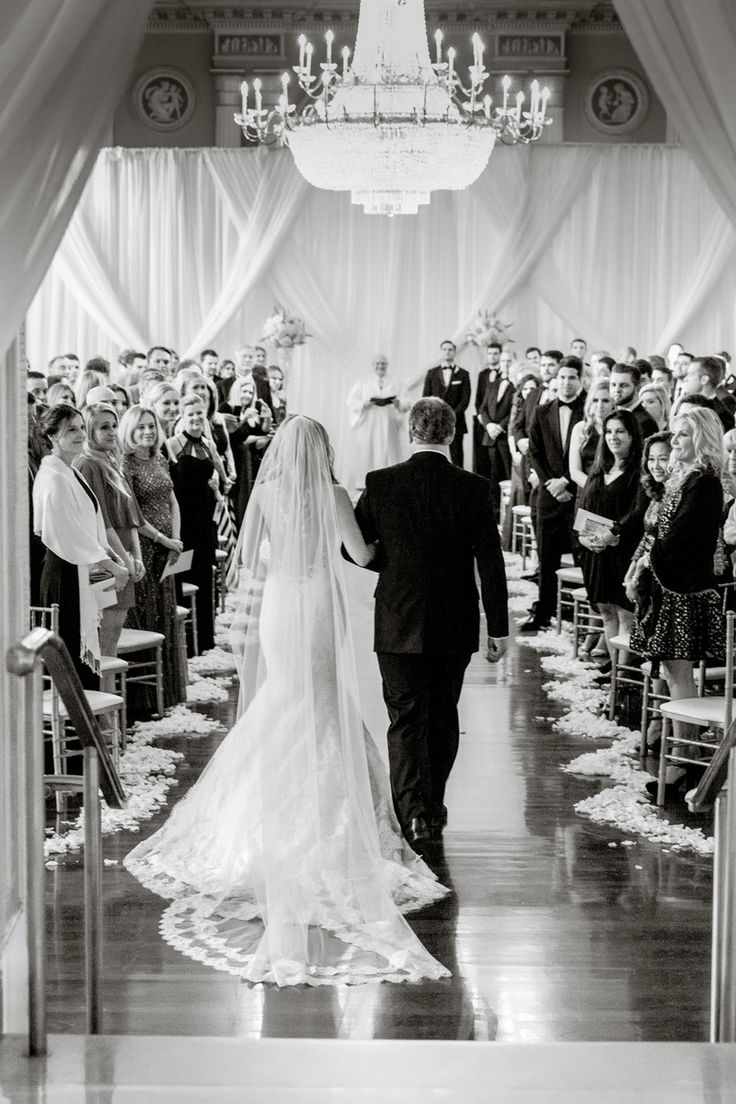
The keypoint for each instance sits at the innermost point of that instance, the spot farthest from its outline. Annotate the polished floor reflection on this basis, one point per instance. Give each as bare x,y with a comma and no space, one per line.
551,934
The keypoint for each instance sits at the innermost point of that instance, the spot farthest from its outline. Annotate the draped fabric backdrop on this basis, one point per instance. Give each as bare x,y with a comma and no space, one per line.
192,248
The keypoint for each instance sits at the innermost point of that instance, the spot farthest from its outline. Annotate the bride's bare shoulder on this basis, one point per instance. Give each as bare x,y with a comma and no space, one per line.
342,498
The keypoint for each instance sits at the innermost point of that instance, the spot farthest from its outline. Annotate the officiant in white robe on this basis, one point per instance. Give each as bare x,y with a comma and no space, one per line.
377,408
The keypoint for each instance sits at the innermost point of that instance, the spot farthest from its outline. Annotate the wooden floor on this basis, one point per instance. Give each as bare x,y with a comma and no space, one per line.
551,934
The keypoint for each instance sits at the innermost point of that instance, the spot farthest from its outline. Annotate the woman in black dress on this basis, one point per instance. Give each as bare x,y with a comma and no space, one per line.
67,518
679,619
195,484
250,435
585,435
613,490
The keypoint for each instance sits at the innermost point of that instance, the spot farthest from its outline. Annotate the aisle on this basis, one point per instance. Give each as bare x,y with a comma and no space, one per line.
555,932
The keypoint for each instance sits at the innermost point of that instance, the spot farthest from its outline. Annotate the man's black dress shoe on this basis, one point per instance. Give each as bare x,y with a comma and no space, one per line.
417,833
533,624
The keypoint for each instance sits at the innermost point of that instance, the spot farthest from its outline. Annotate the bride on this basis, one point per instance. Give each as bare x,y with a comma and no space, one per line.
285,862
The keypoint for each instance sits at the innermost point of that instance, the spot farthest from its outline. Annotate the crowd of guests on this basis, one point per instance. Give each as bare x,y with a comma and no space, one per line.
628,464
130,466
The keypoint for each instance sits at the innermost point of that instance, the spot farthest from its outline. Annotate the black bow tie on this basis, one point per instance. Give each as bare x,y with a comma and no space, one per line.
565,402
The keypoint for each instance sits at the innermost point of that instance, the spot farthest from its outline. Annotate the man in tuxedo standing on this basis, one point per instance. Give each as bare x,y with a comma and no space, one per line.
494,416
452,384
549,450
481,462
434,525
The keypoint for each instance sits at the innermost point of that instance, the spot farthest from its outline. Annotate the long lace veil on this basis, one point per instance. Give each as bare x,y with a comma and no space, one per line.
284,861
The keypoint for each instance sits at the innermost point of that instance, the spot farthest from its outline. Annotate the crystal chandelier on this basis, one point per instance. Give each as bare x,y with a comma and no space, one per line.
393,126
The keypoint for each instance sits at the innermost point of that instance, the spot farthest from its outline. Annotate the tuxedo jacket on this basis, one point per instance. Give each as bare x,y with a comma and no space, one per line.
480,388
496,410
456,394
434,523
550,455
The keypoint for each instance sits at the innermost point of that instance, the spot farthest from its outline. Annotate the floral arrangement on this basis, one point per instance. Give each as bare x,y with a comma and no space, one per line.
487,327
284,329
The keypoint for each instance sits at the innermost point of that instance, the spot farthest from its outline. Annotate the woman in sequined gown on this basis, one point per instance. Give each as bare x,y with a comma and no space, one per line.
147,472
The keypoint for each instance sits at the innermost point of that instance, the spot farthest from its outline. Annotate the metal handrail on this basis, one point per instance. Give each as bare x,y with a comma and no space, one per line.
25,659
703,797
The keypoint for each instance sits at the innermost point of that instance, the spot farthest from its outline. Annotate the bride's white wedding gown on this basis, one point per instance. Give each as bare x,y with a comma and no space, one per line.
285,862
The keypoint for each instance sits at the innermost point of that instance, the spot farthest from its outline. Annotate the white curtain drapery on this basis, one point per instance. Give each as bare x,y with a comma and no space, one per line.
63,67
687,50
622,245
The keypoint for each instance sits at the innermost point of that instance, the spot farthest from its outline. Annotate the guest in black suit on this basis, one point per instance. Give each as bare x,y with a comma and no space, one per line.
704,377
624,385
494,416
549,450
452,384
434,525
481,462
247,369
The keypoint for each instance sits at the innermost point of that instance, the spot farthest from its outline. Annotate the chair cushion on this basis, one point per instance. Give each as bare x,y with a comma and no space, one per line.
622,641
112,665
570,575
98,701
707,711
137,640
188,589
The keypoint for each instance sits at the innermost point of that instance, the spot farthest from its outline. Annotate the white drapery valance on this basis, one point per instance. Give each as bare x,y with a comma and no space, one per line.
192,248
63,67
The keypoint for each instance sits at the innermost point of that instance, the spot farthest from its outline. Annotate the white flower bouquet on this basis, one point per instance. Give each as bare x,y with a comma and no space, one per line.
284,329
487,327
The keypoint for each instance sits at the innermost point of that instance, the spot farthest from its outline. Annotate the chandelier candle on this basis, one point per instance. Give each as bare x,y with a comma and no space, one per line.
392,127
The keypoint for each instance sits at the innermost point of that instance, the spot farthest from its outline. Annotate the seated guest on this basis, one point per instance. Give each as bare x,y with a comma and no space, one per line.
68,520
612,490
657,403
624,384
100,465
655,469
147,471
195,479
585,435
60,393
678,616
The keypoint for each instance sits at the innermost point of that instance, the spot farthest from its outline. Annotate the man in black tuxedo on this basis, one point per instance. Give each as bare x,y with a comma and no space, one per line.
452,384
624,382
493,417
549,449
481,460
434,524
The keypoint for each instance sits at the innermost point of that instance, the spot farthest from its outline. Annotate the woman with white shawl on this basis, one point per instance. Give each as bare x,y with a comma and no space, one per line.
67,518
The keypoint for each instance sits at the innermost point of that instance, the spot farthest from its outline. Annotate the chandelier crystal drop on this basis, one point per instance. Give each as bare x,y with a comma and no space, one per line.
393,126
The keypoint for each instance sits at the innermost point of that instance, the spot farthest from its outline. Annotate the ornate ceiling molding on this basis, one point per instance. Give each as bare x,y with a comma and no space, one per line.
201,16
